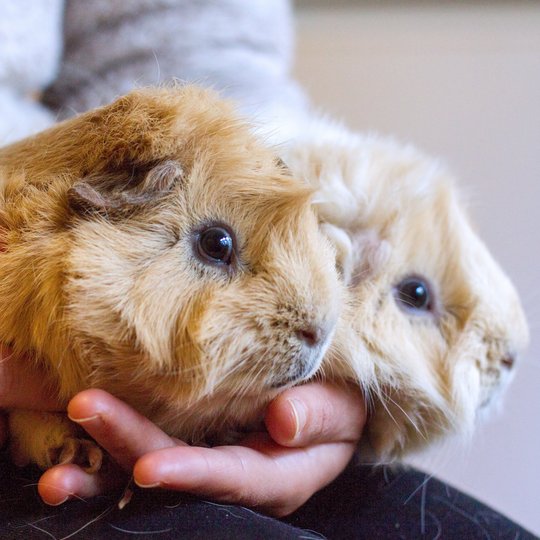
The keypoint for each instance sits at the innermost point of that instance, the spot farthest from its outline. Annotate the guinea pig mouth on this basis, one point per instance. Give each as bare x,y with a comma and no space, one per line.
301,368
290,379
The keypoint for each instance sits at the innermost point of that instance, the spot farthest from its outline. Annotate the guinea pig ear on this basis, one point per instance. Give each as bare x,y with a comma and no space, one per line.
122,192
343,247
371,255
359,254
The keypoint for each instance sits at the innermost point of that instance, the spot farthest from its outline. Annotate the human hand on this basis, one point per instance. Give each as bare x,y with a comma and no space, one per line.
313,431
22,386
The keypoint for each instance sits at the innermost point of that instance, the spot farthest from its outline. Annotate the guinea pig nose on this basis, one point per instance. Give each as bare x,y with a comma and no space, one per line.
508,361
311,335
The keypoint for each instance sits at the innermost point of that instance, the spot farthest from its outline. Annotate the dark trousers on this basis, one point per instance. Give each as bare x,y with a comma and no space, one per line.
362,503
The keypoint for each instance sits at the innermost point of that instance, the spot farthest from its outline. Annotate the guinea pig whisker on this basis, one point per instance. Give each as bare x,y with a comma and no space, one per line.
208,367
374,391
7,357
382,401
255,376
188,370
358,276
413,423
369,400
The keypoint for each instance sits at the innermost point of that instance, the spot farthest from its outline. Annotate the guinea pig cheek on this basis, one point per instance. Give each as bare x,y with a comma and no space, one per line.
476,382
254,344
494,379
300,333
465,387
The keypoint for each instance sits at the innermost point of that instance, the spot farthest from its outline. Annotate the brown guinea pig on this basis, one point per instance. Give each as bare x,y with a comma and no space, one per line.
153,248
432,326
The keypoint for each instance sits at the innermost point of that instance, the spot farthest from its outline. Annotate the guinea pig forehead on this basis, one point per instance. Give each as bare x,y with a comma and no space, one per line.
250,193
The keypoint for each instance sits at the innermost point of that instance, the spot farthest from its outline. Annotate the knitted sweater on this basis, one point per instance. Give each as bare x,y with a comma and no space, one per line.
30,46
240,47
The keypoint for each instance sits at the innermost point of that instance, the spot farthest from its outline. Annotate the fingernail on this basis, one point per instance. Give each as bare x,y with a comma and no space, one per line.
147,486
300,416
83,420
57,503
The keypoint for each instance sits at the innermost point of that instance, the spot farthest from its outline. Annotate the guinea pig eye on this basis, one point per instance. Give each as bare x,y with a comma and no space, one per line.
215,245
414,294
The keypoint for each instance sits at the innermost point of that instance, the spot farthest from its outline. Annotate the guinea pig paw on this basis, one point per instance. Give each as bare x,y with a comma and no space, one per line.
83,452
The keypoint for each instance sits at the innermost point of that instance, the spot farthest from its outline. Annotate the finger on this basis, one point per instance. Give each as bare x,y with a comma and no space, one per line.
23,384
120,430
269,477
64,482
316,413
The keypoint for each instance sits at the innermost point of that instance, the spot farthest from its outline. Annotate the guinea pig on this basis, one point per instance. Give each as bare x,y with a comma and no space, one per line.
431,327
155,249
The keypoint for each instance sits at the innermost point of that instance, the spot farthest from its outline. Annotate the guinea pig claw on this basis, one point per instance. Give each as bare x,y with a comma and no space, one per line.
82,452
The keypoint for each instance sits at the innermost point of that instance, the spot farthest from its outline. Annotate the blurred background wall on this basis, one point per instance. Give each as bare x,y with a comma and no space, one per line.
462,81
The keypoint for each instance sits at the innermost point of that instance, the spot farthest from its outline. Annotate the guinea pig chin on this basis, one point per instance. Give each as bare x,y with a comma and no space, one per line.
303,365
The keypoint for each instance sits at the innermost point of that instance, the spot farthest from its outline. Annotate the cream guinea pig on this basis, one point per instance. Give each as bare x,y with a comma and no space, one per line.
153,248
432,327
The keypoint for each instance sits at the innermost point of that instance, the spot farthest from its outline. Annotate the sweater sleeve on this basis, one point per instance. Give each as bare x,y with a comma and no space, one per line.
242,48
30,46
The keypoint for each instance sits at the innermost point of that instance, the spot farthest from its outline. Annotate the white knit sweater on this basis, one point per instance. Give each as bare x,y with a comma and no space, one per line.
30,45
240,47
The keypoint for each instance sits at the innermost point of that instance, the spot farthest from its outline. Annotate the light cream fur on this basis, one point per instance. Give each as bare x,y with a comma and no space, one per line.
100,278
393,212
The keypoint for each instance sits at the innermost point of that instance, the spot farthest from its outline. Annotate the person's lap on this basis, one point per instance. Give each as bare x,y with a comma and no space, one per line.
362,503
387,502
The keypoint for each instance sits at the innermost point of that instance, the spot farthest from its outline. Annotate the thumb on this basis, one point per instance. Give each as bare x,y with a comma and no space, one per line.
316,413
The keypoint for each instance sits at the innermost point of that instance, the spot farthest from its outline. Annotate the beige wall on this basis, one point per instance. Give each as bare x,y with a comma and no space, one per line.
461,81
